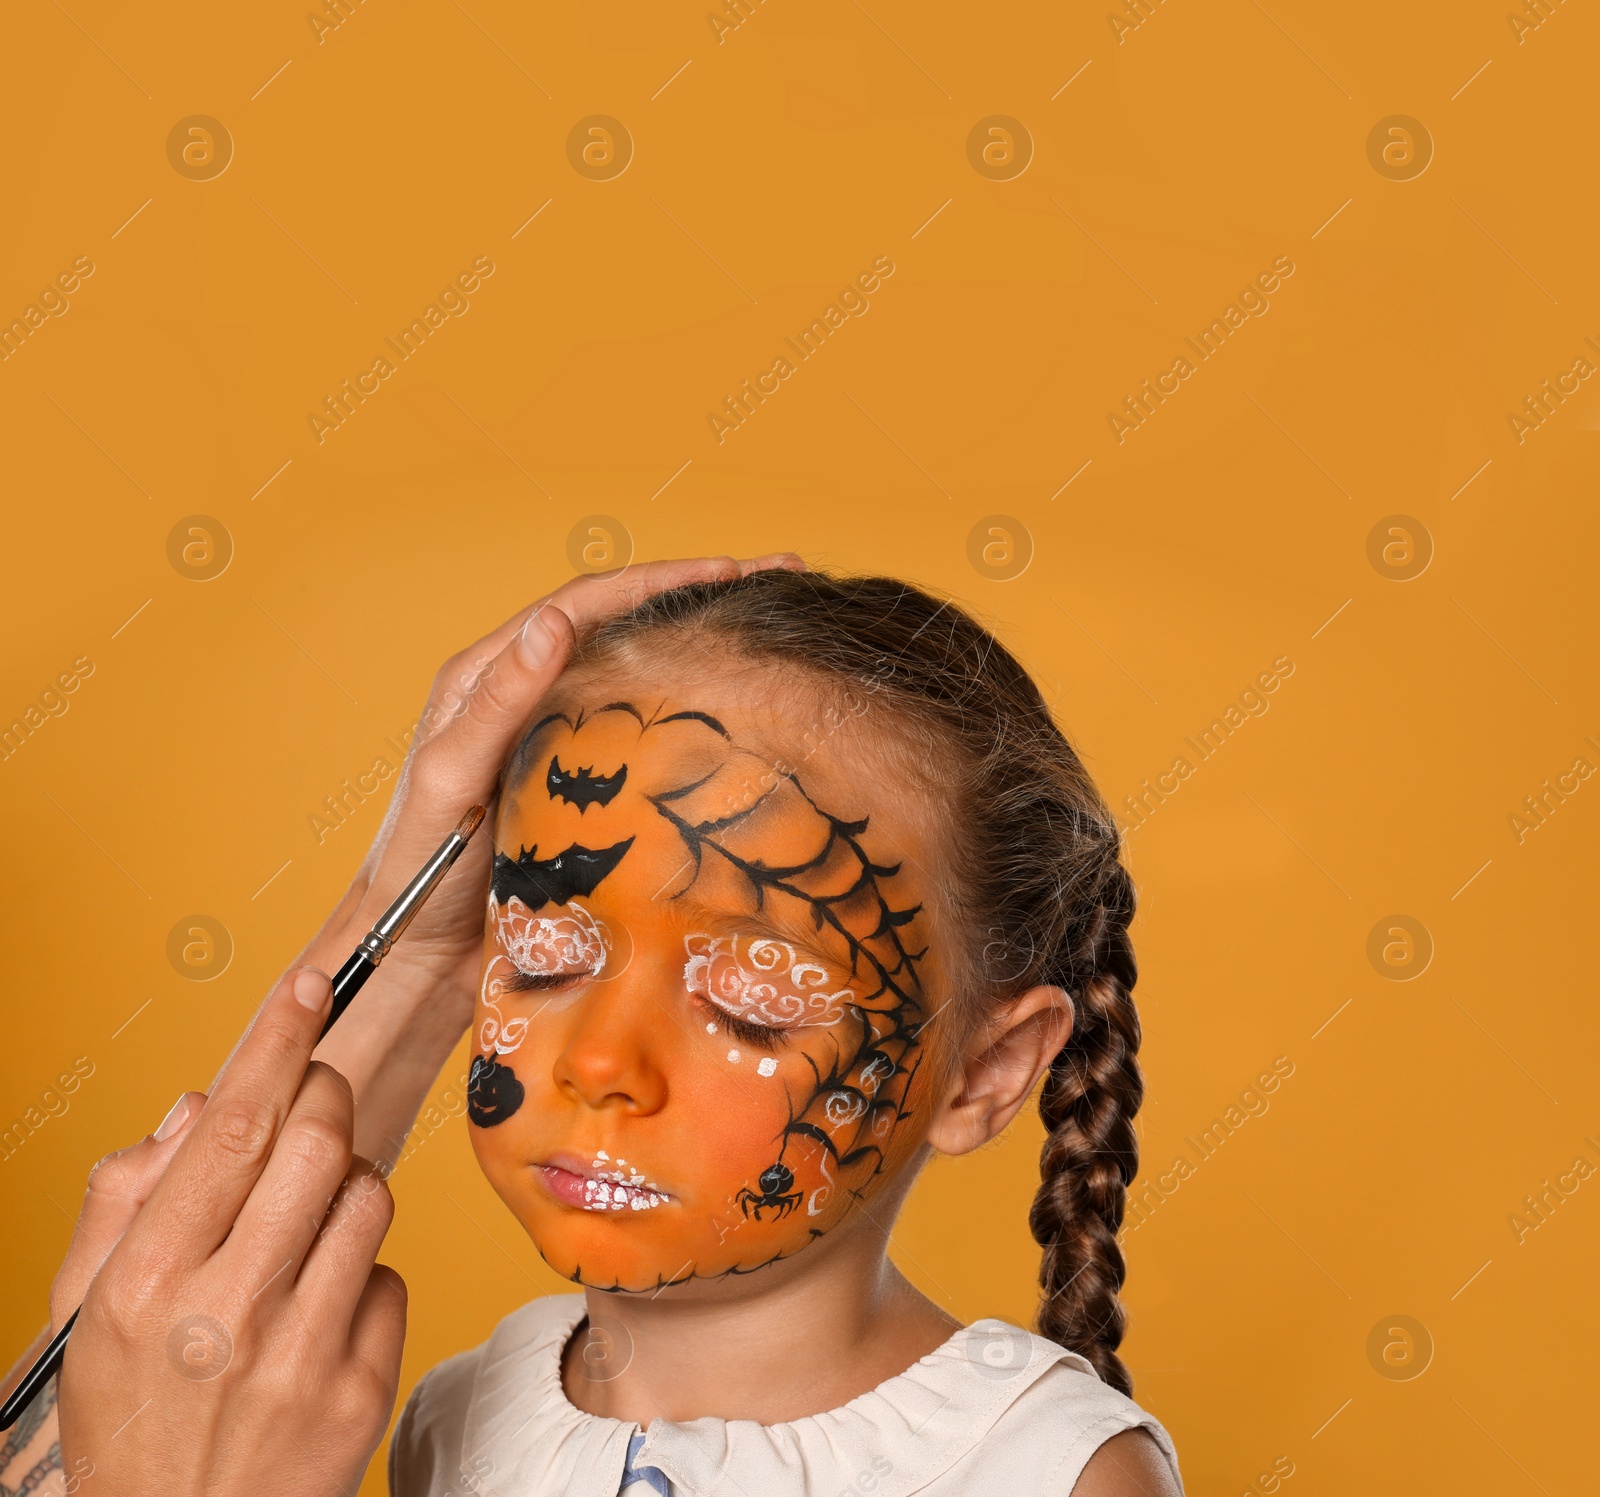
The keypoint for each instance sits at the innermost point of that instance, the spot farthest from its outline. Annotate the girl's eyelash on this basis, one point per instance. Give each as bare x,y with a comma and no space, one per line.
758,1036
541,982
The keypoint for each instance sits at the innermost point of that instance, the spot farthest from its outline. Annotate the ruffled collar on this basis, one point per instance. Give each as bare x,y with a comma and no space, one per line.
902,1434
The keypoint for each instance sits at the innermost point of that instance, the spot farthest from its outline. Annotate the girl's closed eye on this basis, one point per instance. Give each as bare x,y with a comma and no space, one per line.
759,989
747,1031
541,982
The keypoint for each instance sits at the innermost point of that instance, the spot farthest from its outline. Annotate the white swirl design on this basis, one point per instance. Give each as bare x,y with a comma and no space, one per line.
876,1071
843,1107
762,981
823,1193
572,942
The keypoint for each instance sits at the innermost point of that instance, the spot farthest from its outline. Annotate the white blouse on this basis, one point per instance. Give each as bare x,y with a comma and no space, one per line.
993,1410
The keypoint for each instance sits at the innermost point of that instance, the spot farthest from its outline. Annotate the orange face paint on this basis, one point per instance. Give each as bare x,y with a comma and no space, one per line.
696,1042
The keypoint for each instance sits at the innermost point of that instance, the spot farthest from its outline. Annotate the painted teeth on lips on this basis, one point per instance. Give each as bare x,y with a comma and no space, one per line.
605,1184
618,1187
616,1195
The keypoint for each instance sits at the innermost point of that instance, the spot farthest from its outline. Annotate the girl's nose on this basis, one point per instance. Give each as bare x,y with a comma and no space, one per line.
609,1059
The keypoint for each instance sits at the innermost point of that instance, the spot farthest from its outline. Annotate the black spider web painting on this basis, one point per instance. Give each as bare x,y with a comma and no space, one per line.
857,1100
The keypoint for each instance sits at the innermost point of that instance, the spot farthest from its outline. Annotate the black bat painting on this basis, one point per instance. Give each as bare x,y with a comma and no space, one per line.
583,788
540,881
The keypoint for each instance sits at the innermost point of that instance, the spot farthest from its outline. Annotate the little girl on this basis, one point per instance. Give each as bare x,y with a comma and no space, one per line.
797,883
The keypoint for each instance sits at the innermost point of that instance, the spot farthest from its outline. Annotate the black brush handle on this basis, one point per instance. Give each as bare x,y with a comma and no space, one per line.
347,982
48,1365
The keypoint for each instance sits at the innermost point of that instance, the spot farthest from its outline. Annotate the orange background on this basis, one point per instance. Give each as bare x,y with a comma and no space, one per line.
1169,165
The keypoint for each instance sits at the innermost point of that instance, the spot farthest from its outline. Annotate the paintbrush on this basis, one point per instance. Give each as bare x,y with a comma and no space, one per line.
376,944
347,982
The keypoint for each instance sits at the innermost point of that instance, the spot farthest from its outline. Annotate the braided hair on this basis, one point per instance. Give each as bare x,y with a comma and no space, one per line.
1053,904
1091,1154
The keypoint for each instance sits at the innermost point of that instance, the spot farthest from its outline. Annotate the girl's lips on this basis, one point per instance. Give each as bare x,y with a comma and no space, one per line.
606,1185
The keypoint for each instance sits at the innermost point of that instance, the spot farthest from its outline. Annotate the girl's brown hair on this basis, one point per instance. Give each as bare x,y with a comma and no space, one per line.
1051,903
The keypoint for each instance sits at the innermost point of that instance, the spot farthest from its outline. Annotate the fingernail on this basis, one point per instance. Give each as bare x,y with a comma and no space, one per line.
174,1119
789,560
536,644
311,989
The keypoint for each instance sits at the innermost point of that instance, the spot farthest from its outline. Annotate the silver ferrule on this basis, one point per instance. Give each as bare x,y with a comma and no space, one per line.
374,947
378,941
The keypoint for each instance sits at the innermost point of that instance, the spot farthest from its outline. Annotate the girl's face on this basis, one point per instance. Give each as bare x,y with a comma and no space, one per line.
705,972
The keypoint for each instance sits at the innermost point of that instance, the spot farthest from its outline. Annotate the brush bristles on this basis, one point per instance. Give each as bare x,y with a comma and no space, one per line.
470,822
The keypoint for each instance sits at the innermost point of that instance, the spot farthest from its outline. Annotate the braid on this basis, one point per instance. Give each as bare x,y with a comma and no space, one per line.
1054,901
1091,1093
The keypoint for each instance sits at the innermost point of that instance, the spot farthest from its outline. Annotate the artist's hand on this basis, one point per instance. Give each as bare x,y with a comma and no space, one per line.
238,1338
119,1185
397,1033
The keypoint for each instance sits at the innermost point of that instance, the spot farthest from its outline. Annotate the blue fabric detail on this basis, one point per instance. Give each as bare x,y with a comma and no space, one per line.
636,1477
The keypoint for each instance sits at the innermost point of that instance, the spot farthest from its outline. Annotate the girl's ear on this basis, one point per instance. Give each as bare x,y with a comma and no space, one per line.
1001,1070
